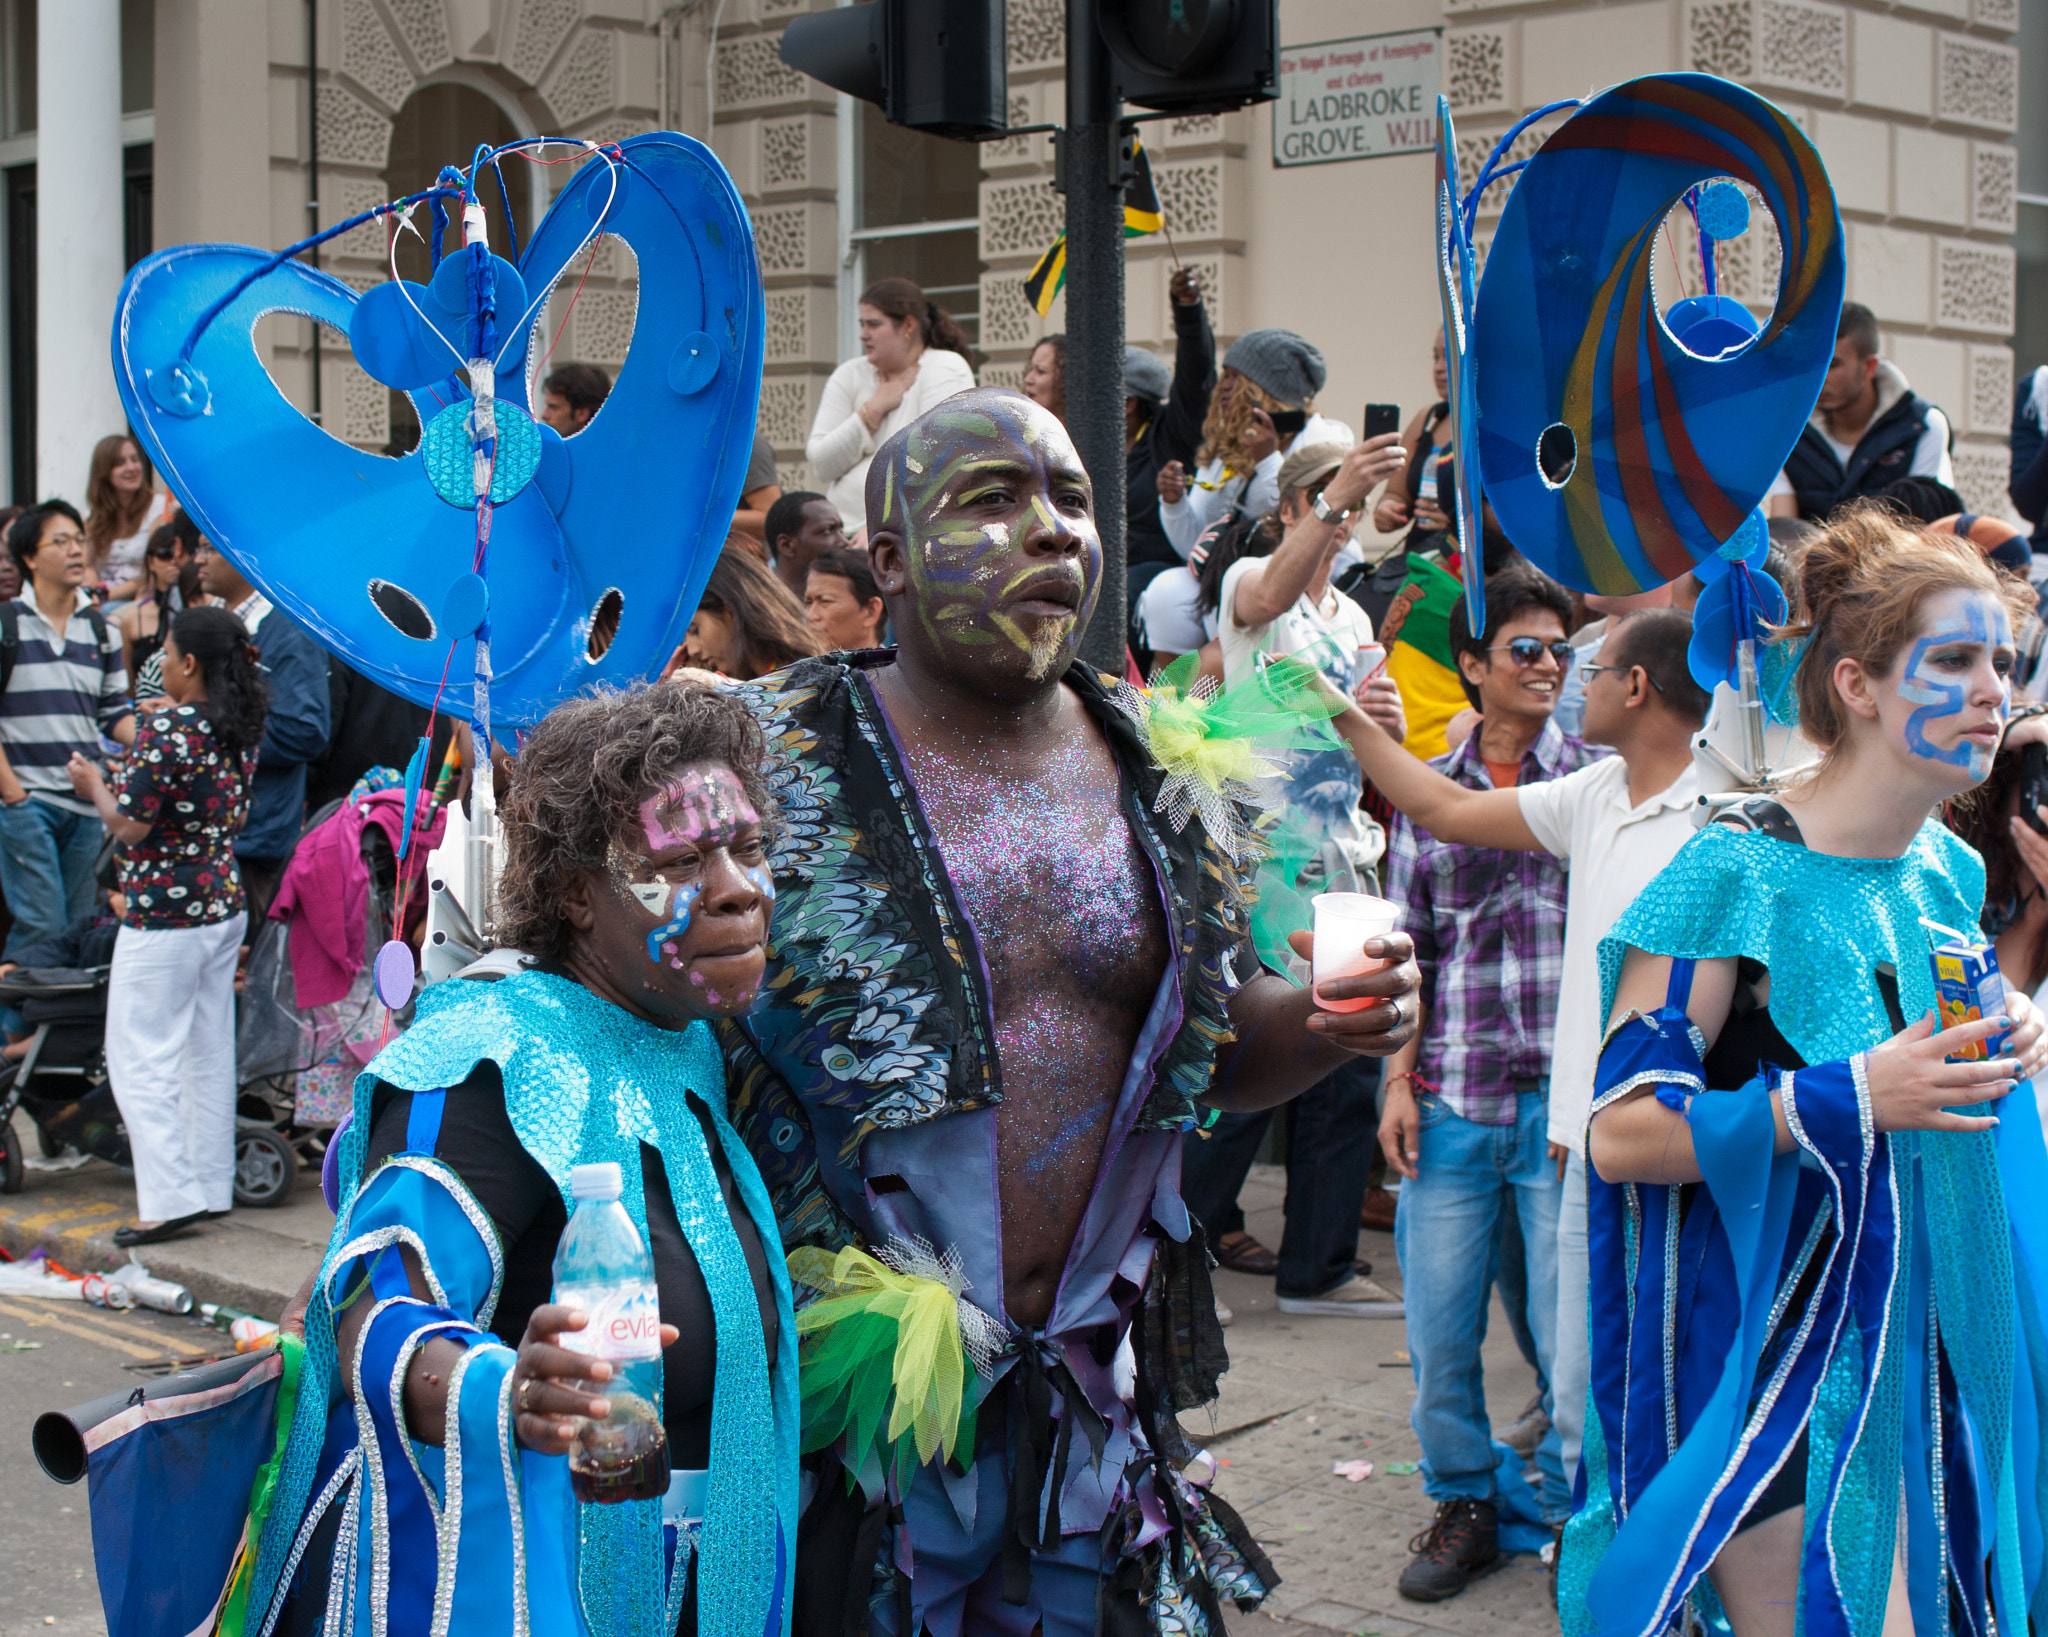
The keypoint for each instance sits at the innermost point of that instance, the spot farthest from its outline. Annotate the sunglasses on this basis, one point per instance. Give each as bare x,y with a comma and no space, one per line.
1591,668
1527,651
163,554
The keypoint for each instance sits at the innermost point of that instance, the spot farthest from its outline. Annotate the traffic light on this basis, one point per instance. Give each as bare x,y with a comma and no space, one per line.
930,65
1193,56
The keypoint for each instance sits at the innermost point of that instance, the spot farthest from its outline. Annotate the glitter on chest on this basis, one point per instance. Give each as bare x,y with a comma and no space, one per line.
1051,851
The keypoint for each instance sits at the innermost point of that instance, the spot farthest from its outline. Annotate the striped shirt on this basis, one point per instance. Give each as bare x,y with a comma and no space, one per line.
1489,937
64,693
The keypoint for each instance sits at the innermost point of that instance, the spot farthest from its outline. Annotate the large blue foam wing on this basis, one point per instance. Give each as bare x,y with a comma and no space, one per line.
1615,454
599,544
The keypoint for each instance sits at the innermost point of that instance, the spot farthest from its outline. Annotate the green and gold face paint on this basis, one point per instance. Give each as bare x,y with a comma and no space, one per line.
996,515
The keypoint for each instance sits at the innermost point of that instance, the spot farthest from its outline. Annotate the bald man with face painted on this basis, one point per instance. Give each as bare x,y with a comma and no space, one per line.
1001,987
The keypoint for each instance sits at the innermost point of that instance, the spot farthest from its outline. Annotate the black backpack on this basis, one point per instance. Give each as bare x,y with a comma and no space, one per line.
10,635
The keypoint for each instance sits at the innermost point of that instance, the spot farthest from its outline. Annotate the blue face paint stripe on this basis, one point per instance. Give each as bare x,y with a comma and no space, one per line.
1940,697
679,908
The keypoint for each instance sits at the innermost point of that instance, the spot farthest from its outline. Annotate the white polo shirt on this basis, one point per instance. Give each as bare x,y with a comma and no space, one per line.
1613,851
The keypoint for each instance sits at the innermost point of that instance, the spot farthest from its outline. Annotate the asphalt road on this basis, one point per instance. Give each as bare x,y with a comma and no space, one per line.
53,1355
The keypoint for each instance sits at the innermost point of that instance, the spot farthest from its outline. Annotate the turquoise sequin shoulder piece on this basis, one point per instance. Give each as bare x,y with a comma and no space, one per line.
586,1081
1819,923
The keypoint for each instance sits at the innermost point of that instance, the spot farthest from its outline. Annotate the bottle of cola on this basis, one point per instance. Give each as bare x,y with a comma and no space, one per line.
604,1270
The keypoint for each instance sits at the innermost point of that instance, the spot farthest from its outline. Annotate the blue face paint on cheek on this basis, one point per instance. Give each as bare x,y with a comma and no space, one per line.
1939,695
661,941
763,883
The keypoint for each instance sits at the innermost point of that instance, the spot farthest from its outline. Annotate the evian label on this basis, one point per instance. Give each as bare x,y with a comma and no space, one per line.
624,1320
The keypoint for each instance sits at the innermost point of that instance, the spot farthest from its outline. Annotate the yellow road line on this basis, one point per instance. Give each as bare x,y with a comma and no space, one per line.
83,1329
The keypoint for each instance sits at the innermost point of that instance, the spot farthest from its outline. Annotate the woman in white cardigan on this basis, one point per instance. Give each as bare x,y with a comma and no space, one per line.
911,358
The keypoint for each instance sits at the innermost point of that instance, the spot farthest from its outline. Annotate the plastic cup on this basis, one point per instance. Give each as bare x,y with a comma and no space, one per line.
1344,920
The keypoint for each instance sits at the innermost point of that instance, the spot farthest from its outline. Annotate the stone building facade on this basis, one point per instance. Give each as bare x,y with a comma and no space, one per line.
1913,105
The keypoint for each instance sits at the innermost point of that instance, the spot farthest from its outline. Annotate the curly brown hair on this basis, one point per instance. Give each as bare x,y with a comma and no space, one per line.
1223,430
579,782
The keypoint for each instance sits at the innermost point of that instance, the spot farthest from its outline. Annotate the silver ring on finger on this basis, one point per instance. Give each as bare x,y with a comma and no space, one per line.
525,1386
1399,1020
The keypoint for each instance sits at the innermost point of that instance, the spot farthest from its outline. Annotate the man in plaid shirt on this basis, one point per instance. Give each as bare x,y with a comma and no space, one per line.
1466,1117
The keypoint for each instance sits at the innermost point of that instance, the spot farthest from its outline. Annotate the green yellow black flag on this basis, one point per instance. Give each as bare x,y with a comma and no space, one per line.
1141,216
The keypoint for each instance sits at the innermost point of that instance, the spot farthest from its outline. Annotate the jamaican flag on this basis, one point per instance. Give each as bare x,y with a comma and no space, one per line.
1141,216
1417,635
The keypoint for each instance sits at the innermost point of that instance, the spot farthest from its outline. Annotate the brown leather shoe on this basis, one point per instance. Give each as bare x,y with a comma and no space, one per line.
1241,1253
1379,1210
1462,1544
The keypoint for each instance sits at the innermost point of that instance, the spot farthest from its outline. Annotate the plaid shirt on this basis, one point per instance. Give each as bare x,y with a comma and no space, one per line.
1488,927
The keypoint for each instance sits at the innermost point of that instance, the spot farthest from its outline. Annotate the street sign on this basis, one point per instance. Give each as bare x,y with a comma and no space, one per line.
1358,99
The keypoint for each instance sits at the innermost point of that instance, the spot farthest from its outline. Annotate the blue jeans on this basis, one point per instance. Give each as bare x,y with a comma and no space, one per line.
1332,1132
1572,1372
46,863
1447,1235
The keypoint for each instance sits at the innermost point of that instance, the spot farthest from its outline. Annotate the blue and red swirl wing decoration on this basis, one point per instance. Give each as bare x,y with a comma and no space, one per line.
385,559
1664,452
1454,283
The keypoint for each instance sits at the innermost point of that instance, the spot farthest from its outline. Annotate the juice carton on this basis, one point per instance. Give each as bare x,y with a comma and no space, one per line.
1966,987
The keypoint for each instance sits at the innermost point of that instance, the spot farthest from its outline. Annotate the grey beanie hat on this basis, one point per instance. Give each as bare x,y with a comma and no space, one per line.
1145,377
1280,363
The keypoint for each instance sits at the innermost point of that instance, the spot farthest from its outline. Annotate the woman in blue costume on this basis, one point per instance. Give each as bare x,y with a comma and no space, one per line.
424,1486
1818,1370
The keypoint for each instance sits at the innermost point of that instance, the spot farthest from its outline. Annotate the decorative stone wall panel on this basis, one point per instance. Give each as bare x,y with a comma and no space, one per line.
1981,477
783,8
371,58
346,196
786,412
1020,218
604,325
783,238
1994,187
1803,45
1721,38
365,408
1009,375
1190,129
424,23
1037,31
617,130
1977,82
785,153
1007,318
587,82
788,315
351,131
542,27
1990,406
2002,14
1210,271
1016,150
1477,70
1191,198
1973,288
1474,148
751,70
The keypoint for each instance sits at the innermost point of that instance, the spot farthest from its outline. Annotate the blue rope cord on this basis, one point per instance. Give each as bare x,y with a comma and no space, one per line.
1487,173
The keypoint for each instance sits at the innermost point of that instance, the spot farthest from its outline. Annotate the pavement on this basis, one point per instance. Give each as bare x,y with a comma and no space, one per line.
253,1260
1302,1395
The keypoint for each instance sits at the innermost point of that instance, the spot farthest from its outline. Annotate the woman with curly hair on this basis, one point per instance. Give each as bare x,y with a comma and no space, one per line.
632,908
1263,406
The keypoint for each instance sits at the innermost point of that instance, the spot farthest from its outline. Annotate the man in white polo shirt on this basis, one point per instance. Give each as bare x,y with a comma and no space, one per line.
1615,823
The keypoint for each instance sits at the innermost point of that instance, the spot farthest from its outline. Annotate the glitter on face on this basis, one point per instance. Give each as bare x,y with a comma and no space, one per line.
1935,677
702,808
1067,913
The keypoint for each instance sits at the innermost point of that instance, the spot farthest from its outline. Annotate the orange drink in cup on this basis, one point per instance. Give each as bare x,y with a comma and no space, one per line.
1344,921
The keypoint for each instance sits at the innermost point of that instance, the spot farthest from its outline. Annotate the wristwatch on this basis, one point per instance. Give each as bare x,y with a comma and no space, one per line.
1326,513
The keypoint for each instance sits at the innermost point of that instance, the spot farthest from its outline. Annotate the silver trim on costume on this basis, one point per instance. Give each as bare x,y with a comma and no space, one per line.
307,1528
479,1219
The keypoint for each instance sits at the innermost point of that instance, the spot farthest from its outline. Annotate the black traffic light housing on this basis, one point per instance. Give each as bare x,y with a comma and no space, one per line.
929,65
1193,56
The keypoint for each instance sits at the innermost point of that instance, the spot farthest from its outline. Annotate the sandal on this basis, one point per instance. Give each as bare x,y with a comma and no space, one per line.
1241,1253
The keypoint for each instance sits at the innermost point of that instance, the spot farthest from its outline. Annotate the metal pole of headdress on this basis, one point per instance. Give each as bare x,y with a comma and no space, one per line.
483,443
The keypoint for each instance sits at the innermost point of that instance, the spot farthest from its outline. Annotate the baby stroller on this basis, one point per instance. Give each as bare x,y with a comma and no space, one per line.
61,1084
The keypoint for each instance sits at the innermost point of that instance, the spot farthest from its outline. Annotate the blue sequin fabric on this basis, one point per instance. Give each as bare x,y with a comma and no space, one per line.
1821,925
586,1081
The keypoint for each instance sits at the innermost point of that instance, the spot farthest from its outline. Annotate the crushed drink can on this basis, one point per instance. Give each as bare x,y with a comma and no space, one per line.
1967,986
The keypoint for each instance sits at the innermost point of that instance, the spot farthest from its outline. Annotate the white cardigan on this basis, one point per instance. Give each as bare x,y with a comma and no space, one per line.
841,446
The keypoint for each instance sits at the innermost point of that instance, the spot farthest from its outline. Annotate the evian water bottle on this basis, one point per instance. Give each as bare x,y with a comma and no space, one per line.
604,1271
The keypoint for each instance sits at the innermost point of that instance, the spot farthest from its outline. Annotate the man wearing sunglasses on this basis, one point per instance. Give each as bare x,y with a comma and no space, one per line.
1466,1115
1616,822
